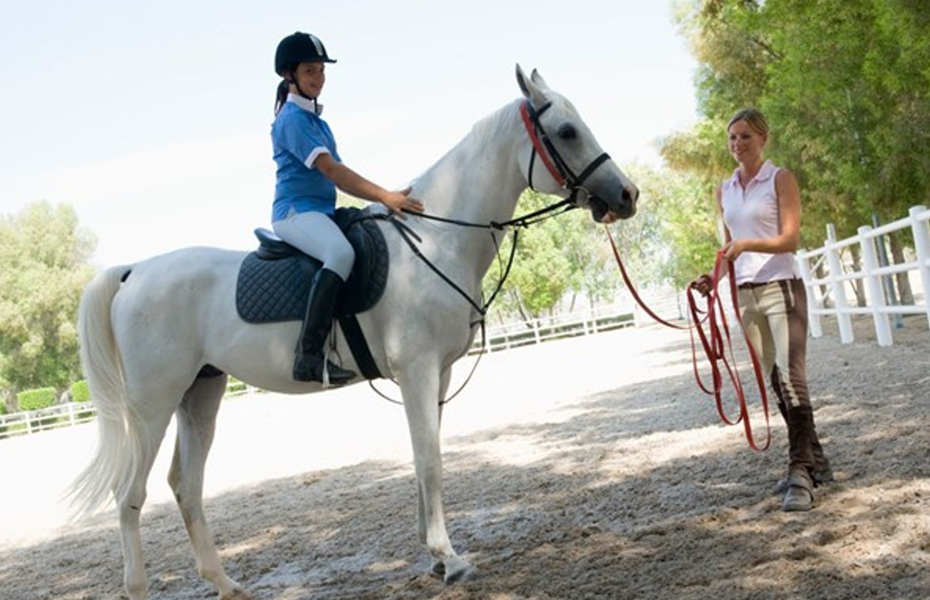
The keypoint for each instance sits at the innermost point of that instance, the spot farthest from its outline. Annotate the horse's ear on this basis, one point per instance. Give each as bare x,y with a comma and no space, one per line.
538,80
529,87
521,81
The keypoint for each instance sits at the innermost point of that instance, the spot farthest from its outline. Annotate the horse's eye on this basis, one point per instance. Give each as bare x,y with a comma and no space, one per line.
567,132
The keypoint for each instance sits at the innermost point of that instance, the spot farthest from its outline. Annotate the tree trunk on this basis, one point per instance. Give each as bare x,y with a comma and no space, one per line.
905,294
858,284
520,307
12,404
820,273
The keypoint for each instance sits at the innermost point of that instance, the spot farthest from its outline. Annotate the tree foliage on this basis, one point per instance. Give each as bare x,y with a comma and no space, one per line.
43,268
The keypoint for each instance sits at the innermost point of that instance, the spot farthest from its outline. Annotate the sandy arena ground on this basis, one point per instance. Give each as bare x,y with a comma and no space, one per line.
577,469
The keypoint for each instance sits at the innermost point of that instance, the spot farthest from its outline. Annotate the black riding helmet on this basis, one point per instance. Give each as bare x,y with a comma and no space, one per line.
297,48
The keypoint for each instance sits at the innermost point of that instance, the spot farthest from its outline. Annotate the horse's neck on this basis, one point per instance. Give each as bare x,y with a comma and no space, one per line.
478,181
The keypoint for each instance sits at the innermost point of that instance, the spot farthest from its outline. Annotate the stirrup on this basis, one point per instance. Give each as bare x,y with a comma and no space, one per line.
315,368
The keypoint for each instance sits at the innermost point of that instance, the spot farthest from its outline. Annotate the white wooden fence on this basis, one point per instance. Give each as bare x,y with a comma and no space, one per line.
33,421
74,413
535,331
838,279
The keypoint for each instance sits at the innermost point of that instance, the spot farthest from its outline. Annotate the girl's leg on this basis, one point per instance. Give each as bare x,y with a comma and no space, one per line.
316,234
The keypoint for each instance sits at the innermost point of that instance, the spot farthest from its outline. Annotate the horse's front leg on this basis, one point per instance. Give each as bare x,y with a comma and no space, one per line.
438,567
423,387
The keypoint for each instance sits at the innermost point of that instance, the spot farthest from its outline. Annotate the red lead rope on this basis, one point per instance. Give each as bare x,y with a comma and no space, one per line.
715,344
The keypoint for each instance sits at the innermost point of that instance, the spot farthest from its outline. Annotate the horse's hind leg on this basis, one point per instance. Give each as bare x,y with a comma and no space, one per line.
196,419
148,434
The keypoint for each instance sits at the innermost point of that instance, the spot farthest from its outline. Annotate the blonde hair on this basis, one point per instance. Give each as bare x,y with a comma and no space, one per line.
754,118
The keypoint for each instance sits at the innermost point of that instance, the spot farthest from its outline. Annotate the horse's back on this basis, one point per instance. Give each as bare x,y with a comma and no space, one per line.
168,303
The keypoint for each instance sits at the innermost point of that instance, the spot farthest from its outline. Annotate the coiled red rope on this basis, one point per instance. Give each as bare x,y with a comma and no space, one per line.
715,342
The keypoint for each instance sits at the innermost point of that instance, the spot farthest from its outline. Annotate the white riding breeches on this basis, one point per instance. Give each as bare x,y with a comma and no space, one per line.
316,234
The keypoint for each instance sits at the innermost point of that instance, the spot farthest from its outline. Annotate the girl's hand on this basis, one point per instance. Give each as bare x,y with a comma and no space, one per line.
401,201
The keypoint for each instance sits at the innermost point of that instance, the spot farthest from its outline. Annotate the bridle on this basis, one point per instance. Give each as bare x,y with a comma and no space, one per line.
550,157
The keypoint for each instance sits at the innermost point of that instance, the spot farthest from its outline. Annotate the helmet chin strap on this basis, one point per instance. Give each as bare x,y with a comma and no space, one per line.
293,80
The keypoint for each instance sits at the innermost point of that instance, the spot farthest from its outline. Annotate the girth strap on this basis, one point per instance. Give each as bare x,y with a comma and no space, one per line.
355,338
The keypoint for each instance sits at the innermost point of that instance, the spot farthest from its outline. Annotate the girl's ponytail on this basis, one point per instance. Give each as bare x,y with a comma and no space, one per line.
281,97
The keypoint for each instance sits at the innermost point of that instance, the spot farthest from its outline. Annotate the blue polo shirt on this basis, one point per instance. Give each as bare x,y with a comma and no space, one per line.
298,137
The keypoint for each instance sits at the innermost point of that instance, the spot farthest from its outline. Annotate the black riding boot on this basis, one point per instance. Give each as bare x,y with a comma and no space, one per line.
309,361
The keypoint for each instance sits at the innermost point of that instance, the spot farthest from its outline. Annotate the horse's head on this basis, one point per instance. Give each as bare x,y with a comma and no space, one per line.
572,162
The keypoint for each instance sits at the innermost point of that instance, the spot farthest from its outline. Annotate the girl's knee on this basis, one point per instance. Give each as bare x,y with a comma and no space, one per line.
342,260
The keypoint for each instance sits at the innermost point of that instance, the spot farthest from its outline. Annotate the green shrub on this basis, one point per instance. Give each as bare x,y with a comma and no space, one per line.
79,391
36,399
234,385
3,409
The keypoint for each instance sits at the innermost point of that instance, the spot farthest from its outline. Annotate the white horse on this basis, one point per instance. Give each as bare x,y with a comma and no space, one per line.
148,329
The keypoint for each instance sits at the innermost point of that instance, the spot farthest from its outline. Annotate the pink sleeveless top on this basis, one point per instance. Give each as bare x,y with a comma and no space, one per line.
752,212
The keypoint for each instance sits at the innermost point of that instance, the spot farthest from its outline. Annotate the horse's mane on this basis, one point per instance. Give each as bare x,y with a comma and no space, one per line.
495,124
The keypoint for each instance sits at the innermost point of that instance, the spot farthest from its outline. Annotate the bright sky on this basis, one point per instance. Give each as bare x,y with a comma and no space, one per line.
152,119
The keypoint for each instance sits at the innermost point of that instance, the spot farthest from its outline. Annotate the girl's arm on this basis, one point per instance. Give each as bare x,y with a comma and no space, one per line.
352,183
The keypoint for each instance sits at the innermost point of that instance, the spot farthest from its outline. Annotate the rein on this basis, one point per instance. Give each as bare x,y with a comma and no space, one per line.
715,343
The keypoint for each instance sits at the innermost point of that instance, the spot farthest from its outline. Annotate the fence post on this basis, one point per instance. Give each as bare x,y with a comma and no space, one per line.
71,414
813,319
874,284
839,290
922,245
536,331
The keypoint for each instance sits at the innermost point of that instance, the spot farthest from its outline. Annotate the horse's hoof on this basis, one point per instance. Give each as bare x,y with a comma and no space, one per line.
439,569
237,594
457,569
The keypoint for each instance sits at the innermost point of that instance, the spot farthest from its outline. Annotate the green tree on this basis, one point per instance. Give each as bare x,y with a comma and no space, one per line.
43,268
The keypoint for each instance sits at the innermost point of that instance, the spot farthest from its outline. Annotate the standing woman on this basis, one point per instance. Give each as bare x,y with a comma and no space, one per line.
308,172
761,208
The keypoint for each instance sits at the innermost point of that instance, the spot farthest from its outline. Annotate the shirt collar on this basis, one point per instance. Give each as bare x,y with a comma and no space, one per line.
311,106
764,173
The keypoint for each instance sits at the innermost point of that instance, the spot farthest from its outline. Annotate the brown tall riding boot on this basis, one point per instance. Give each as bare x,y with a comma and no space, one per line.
822,472
800,493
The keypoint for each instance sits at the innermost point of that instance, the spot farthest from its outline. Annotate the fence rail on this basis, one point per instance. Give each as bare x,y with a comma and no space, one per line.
876,278
535,331
62,415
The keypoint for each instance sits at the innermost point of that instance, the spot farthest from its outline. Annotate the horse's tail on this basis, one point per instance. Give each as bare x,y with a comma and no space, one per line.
117,450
